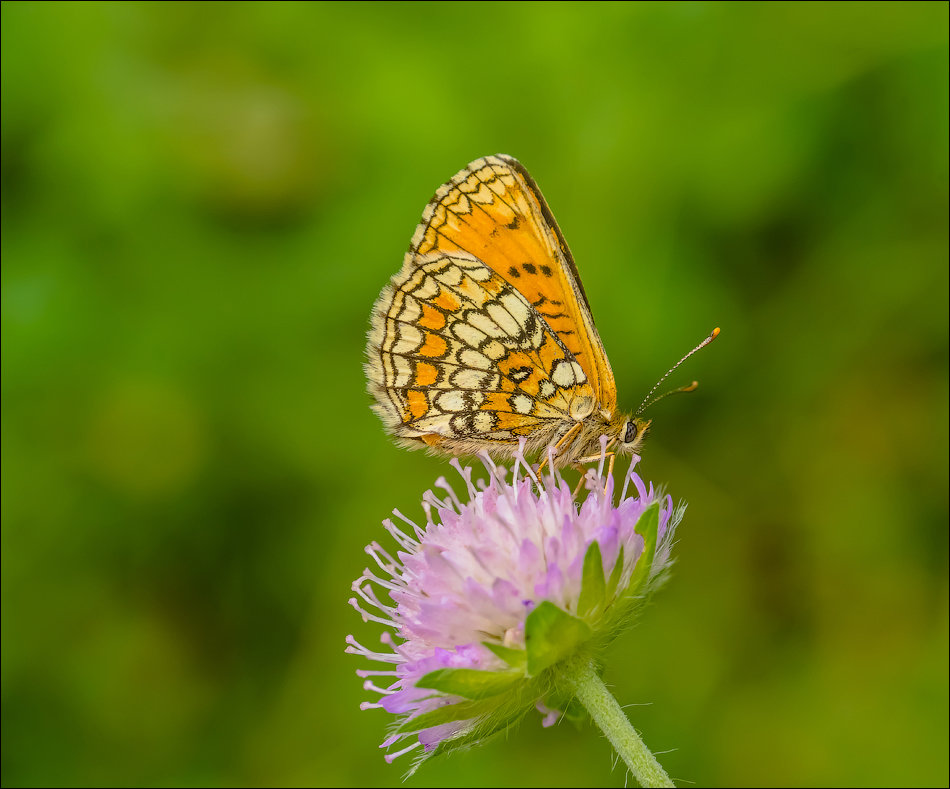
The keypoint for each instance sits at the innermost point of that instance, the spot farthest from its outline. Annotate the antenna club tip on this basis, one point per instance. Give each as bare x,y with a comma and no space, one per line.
715,333
691,387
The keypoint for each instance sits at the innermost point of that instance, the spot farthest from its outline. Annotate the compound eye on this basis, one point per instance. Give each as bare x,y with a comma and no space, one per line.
630,433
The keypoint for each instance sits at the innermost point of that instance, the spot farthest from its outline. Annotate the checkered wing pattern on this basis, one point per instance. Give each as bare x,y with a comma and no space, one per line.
485,335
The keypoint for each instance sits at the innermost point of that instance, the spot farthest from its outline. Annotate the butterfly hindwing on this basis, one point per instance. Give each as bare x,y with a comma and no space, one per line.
493,211
457,354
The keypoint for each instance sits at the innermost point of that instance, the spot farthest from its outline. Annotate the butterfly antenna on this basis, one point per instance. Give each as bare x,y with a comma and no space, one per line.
688,388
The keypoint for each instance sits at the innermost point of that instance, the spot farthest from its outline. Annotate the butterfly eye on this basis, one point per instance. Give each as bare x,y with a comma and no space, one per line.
630,433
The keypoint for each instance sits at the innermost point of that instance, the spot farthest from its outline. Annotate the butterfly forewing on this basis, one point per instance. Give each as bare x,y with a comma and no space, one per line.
493,211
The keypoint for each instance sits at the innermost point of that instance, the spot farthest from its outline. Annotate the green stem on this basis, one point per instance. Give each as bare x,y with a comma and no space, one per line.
606,712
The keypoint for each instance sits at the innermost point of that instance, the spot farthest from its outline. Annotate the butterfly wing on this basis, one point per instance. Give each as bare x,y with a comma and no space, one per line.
459,359
494,211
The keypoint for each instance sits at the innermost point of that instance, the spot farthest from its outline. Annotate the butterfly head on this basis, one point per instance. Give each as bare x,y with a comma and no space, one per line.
629,433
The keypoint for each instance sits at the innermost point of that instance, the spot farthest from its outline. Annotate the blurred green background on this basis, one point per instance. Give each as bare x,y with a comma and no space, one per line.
201,203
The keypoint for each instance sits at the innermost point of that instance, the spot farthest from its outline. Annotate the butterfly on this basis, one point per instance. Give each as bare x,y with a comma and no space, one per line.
485,336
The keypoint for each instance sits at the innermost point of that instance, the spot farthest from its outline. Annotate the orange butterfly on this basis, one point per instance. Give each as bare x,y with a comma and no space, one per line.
485,336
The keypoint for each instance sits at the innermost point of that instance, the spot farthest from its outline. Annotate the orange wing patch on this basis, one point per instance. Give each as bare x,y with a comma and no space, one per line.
493,211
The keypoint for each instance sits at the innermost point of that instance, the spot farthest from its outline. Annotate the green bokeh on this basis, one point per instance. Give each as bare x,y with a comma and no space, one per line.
200,204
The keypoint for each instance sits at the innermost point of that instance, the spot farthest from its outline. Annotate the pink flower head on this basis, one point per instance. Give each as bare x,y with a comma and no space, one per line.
497,588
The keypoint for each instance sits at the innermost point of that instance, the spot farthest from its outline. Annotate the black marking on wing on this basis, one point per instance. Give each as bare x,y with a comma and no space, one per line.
520,374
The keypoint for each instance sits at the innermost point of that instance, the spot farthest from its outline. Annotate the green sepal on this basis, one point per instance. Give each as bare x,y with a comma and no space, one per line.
646,527
470,683
593,587
450,713
516,658
551,635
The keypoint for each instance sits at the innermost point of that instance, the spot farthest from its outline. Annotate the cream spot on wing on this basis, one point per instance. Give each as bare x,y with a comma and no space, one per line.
547,389
468,334
484,195
474,292
480,273
450,275
494,350
486,324
472,358
462,205
434,423
521,403
500,315
563,374
427,289
408,339
451,401
516,305
498,188
483,421
582,407
411,310
536,340
403,371
464,378
460,424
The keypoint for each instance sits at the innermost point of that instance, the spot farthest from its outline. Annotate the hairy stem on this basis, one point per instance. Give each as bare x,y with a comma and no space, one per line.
606,712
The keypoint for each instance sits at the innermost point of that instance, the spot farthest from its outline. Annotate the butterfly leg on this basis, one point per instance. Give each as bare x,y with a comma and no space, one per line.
580,483
562,442
611,457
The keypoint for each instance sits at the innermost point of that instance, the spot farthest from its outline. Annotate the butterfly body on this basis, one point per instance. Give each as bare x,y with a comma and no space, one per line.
485,336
